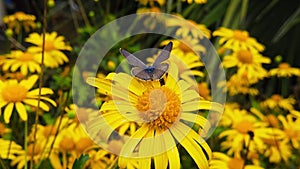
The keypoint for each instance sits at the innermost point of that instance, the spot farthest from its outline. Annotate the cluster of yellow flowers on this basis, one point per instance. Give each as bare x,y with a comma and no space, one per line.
148,124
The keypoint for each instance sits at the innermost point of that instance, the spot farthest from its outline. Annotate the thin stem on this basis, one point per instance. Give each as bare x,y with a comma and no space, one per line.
40,81
82,11
25,143
230,12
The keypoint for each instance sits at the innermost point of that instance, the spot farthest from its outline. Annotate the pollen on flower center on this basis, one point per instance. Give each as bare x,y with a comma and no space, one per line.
240,35
159,107
14,93
49,45
50,131
236,163
26,57
284,66
244,126
245,56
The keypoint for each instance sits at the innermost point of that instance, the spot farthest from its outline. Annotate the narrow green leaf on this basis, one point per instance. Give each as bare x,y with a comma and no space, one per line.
79,162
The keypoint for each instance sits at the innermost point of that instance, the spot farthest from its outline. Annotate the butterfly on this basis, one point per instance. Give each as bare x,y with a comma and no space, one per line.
154,72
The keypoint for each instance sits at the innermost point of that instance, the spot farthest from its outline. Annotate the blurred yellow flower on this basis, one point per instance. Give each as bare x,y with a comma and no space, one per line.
291,129
189,28
35,151
284,70
221,160
238,136
277,150
53,48
9,149
20,20
239,84
23,60
204,91
151,2
249,64
18,94
195,1
277,101
160,110
4,130
237,40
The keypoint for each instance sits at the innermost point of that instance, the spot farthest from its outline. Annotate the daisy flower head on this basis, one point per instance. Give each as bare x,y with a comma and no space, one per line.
246,130
18,94
20,20
237,40
163,114
248,62
284,70
291,128
9,149
24,61
276,102
151,2
221,160
54,45
188,28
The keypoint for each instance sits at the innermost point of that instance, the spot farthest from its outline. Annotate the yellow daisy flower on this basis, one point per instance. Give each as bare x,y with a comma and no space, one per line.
276,101
4,130
18,94
204,91
189,28
238,136
248,63
160,110
291,129
284,70
151,2
277,150
195,1
37,154
53,48
184,56
23,60
239,84
237,40
20,20
223,161
9,149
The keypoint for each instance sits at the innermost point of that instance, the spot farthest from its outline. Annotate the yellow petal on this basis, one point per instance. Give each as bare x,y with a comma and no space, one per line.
33,102
8,111
173,154
28,84
21,111
44,91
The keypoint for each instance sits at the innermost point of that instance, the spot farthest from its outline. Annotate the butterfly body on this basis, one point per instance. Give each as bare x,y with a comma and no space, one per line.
153,72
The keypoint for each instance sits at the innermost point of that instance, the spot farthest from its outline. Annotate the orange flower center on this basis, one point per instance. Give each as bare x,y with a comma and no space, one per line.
49,45
160,107
236,163
26,57
270,141
245,56
49,131
2,129
183,47
241,36
272,120
284,66
83,144
276,97
244,126
14,93
291,133
37,149
203,90
67,144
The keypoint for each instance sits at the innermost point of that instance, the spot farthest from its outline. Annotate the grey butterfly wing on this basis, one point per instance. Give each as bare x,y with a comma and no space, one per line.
159,71
140,73
132,60
164,54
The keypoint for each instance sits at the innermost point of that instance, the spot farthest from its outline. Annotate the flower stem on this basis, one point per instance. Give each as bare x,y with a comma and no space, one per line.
40,81
25,143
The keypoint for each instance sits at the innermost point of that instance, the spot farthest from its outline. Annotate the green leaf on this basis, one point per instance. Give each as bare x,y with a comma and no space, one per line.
79,162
